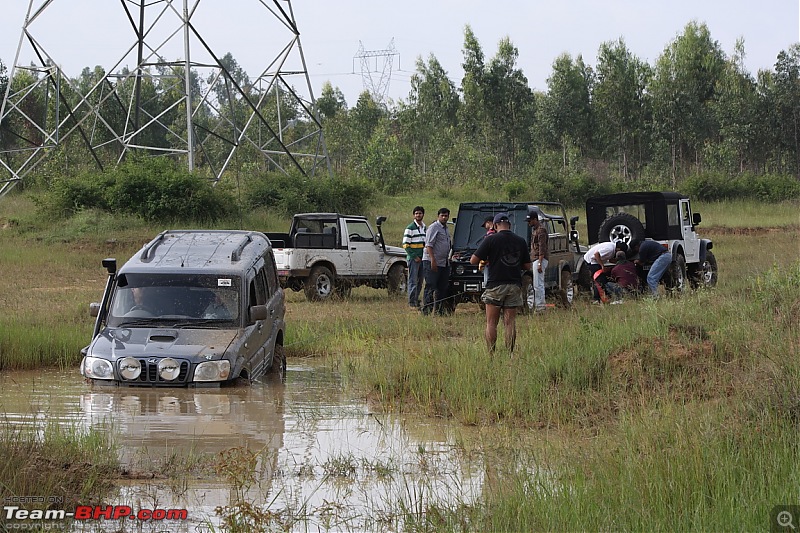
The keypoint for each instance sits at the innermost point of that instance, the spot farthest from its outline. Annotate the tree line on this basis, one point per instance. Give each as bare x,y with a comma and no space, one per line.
696,120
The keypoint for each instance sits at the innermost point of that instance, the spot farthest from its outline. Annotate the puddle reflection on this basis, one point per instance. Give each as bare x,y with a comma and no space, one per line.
323,460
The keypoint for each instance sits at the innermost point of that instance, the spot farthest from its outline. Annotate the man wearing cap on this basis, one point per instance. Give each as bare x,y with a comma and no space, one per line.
540,253
508,255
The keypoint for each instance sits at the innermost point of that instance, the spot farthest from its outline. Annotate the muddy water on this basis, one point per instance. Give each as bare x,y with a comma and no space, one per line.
305,450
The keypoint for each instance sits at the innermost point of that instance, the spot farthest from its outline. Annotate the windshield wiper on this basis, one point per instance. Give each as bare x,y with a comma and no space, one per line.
138,322
200,323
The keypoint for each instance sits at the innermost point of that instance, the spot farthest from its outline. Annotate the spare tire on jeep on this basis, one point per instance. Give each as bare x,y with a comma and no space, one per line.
621,227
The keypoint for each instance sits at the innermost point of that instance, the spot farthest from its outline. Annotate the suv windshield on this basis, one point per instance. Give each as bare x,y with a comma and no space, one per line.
167,299
469,231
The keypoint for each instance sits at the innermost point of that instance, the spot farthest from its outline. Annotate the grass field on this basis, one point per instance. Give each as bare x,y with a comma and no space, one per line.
677,414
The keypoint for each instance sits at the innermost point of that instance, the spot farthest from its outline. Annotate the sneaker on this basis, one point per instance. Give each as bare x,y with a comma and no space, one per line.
615,302
597,302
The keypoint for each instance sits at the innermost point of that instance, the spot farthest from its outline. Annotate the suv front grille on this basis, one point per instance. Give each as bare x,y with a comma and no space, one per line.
150,375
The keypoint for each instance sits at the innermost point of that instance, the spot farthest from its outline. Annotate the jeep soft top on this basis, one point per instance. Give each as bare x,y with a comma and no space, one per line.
658,221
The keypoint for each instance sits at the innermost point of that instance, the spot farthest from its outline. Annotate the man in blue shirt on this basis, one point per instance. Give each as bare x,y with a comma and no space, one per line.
653,253
436,264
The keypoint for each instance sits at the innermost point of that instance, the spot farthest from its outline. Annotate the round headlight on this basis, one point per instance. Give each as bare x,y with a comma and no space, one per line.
96,368
213,370
460,269
168,369
130,368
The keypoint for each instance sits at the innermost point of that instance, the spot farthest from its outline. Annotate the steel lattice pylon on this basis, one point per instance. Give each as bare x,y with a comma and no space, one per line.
140,103
378,86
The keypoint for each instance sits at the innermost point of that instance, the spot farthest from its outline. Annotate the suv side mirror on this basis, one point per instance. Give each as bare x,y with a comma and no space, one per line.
110,264
572,222
94,309
696,218
258,312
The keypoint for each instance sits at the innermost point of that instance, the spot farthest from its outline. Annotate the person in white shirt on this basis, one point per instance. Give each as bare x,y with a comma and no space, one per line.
596,257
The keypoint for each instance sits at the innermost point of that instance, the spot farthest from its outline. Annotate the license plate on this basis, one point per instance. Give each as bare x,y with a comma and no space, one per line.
472,287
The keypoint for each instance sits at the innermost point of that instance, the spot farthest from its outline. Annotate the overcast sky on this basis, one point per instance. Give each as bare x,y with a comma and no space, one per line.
80,33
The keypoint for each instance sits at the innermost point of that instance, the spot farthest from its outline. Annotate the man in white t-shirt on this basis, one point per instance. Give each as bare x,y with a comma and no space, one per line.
596,257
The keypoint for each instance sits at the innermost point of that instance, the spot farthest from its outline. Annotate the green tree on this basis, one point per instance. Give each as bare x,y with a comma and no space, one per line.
471,114
331,101
364,118
565,111
735,108
386,162
431,112
620,105
683,89
787,110
509,107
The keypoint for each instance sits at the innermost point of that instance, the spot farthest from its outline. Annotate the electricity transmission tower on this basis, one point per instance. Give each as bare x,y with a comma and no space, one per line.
200,107
376,69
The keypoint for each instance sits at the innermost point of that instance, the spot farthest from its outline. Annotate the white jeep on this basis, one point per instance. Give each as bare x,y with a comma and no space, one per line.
665,217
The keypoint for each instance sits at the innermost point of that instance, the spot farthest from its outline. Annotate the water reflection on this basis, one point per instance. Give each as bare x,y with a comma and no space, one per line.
324,461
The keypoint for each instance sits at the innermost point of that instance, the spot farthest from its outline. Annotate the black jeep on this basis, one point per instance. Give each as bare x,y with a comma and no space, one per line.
566,256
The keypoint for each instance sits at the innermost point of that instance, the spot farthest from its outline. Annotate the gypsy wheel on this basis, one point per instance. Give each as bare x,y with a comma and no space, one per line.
320,284
397,279
566,290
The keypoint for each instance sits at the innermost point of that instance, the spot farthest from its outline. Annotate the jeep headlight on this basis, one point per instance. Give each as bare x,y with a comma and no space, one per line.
130,368
460,270
168,369
96,368
213,370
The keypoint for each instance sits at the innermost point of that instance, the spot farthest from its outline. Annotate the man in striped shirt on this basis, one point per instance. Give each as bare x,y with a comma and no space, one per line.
414,244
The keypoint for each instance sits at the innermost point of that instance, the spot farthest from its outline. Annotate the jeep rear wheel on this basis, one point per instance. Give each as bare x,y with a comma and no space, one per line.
621,227
320,284
566,290
397,279
676,280
706,275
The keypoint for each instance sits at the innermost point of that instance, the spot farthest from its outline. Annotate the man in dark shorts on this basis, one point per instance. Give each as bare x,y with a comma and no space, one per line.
507,255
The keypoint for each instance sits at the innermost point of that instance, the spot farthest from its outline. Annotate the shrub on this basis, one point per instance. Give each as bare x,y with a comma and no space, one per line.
716,186
295,194
154,189
67,196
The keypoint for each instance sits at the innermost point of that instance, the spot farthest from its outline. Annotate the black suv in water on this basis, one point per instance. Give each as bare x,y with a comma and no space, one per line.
566,255
190,308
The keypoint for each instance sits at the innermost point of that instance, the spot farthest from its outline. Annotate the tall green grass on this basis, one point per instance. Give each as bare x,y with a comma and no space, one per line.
49,460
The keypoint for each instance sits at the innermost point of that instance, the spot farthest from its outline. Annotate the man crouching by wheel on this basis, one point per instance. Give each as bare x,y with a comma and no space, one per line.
507,255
